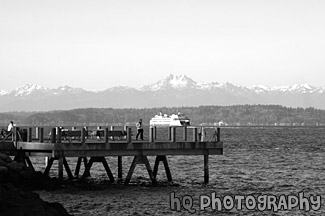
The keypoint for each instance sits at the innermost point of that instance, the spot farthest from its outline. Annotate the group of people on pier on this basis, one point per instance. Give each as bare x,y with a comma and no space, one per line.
6,133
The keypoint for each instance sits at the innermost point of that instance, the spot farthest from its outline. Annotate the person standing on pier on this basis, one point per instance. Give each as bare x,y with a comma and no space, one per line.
10,127
139,130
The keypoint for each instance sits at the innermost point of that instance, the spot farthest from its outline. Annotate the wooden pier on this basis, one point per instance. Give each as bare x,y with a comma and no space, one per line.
77,143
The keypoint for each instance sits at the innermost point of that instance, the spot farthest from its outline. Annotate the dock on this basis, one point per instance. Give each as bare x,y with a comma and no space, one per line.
26,142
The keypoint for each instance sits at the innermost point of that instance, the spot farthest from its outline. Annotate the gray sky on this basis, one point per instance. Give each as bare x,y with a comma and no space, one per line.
101,44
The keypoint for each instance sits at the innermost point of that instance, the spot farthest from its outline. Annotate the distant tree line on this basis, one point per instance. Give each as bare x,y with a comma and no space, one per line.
209,115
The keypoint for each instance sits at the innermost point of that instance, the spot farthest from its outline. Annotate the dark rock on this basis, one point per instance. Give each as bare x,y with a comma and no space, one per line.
16,166
16,202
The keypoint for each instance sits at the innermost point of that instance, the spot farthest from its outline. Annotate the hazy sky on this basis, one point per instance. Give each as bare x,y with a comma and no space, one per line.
100,44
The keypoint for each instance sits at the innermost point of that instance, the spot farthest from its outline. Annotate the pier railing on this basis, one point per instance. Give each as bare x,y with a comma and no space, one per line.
105,142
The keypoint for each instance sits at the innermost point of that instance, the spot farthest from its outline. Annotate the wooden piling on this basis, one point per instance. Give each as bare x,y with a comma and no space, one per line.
53,135
30,135
194,134
206,166
106,135
151,134
41,135
37,133
112,128
119,167
218,134
184,133
83,137
154,133
169,133
59,135
60,168
125,128
202,134
129,135
173,134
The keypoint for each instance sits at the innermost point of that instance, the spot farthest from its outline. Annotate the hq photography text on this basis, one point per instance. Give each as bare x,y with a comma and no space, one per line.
264,202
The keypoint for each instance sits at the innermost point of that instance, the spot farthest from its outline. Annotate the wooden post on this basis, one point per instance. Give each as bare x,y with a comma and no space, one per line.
58,139
60,168
112,128
106,135
48,163
218,134
14,136
154,133
173,134
41,135
125,128
195,134
129,135
169,133
202,134
60,159
83,132
206,167
53,135
185,133
37,133
30,135
151,134
119,167
98,133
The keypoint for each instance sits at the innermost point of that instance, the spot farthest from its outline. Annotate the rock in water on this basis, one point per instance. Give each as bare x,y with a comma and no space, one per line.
16,202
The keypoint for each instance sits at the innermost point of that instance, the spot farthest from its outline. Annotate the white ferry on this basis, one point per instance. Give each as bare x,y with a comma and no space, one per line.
172,120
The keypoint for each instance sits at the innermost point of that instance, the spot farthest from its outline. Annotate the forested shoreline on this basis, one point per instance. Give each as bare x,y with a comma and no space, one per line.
236,115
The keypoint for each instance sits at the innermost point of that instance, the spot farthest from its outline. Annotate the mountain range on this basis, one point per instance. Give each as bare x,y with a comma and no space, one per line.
173,91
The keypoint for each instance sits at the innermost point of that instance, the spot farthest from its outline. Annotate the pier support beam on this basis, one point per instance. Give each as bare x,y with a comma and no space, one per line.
22,158
104,162
76,172
62,163
162,158
206,166
119,167
140,160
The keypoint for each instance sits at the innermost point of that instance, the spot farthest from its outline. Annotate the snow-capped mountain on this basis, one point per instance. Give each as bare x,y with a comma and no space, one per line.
171,82
3,92
174,90
28,89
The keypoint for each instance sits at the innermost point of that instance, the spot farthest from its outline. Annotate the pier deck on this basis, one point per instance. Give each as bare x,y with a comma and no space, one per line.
59,147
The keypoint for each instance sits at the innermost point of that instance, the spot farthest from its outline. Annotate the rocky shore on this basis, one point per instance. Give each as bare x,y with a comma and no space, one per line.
16,184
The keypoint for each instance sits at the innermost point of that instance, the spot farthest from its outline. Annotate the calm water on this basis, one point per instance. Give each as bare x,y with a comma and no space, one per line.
276,161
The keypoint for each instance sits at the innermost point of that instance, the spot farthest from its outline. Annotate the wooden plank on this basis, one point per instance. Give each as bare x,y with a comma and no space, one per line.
35,146
135,152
